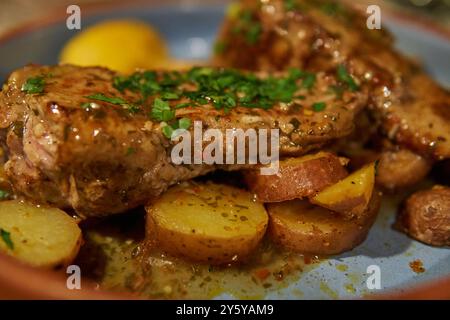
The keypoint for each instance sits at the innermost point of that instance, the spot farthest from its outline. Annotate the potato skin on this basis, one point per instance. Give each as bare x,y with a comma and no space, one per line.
183,224
306,228
401,169
297,178
397,168
425,216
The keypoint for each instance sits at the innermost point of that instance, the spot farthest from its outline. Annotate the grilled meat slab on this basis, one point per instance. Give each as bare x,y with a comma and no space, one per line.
85,138
410,108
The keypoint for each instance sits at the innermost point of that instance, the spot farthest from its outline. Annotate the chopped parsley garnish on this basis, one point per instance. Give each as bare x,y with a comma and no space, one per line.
220,47
170,96
295,73
130,151
182,105
290,5
102,97
34,85
345,77
337,90
309,80
224,89
331,8
184,123
85,105
161,111
167,131
253,33
247,26
6,236
319,106
114,100
4,194
144,82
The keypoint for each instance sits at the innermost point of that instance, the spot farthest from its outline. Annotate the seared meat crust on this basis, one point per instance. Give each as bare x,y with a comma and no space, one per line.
102,159
410,108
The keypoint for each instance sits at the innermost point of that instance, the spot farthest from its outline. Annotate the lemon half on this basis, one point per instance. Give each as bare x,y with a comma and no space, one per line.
121,45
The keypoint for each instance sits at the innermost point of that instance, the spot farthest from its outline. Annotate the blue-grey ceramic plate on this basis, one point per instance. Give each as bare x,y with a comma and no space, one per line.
190,31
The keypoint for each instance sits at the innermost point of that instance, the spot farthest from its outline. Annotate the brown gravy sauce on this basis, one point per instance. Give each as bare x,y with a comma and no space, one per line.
115,258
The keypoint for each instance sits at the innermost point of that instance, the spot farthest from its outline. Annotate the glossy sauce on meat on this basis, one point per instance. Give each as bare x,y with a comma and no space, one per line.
408,107
86,138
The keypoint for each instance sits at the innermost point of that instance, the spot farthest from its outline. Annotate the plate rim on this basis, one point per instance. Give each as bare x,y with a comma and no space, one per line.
433,289
58,14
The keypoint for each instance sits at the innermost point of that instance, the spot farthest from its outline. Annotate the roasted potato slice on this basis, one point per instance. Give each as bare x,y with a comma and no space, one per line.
397,168
306,228
39,236
401,169
208,222
350,196
297,177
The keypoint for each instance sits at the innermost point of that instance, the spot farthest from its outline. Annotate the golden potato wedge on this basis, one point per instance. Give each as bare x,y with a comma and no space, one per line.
350,196
207,222
297,177
39,236
305,228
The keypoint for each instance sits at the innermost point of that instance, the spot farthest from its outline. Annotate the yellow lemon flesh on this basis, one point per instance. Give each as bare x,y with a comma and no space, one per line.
121,45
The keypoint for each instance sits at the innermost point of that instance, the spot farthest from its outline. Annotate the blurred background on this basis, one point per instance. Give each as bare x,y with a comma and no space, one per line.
14,12
174,34
437,10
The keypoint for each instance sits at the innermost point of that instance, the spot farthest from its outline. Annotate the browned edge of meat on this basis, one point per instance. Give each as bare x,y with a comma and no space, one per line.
99,158
407,106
